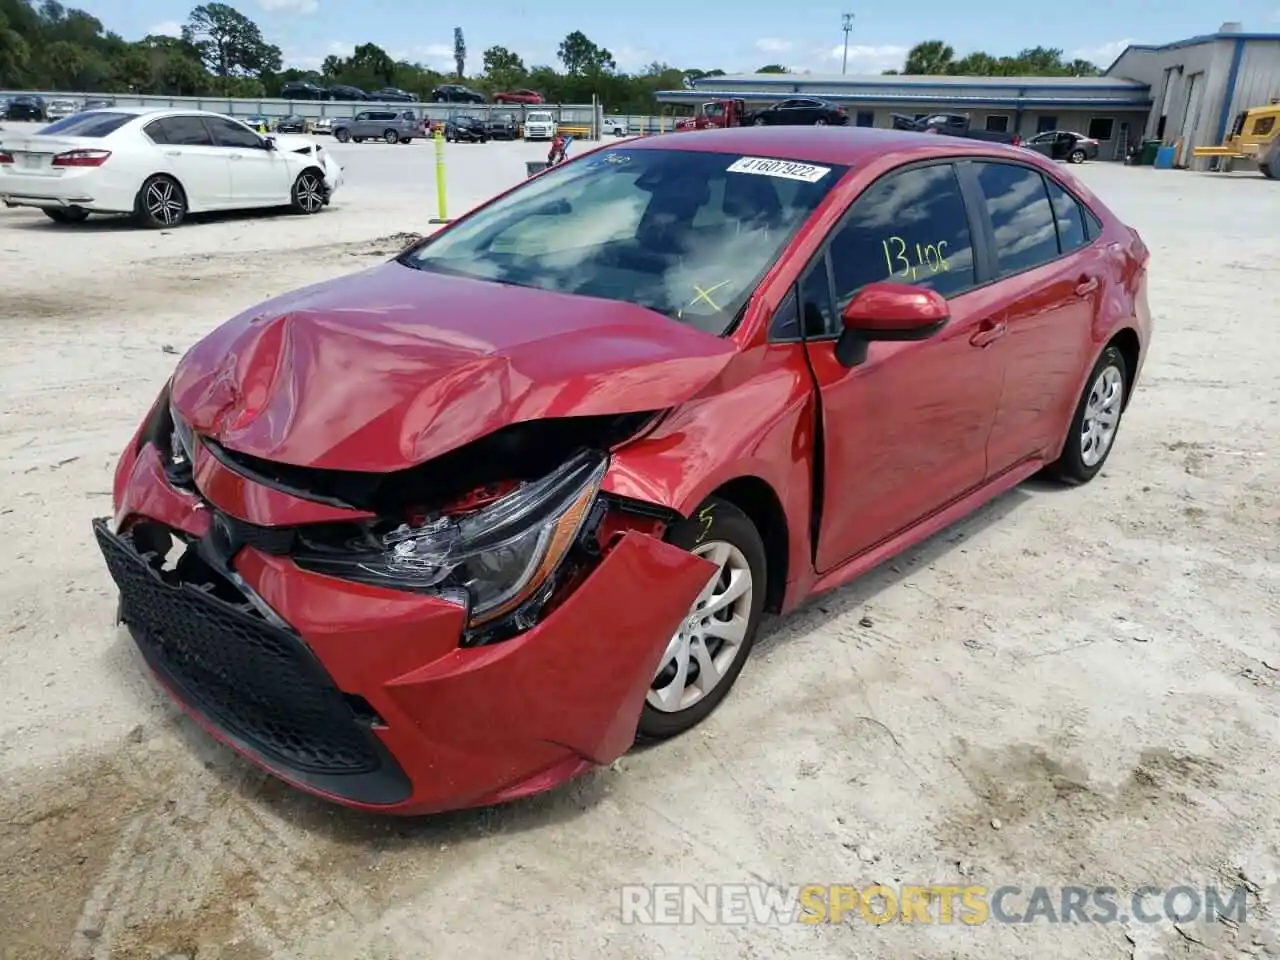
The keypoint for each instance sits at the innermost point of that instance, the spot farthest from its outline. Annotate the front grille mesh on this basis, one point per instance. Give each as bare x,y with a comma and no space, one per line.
258,682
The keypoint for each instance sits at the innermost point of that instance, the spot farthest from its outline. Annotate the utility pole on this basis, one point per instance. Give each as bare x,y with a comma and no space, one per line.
846,25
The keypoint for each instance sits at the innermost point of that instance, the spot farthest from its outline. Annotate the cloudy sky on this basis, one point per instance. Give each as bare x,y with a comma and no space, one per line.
737,36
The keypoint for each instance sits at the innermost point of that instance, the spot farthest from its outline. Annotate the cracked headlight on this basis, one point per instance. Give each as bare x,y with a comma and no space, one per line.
500,555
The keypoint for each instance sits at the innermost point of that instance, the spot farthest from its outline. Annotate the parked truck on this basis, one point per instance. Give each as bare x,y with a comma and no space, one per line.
953,125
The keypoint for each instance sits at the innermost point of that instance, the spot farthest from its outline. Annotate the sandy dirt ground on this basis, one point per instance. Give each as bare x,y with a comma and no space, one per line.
1072,687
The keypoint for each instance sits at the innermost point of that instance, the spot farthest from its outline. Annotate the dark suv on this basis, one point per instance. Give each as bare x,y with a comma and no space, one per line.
26,108
456,93
302,90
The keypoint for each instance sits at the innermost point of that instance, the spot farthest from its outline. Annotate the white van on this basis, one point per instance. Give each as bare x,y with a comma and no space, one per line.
539,125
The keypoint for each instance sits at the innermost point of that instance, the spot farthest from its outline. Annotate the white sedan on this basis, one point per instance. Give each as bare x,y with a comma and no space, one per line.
160,165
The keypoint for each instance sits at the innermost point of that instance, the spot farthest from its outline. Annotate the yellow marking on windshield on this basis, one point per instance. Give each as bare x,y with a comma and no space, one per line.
704,295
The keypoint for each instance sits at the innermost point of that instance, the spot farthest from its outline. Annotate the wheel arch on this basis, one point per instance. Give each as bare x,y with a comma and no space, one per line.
760,502
1126,341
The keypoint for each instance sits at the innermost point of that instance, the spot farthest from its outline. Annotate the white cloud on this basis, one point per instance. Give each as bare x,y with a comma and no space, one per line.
630,59
869,58
774,45
1104,53
289,6
167,28
814,58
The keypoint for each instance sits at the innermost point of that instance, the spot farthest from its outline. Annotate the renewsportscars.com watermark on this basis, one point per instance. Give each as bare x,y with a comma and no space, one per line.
746,903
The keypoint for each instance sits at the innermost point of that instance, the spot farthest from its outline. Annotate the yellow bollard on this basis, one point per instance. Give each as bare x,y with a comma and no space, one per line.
440,191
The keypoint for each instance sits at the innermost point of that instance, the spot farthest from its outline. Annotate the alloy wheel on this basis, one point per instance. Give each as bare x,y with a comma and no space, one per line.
310,193
710,639
1101,415
820,122
163,202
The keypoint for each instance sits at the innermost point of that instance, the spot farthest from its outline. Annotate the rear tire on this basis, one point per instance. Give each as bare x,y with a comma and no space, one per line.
67,215
390,136
1096,422
1268,171
357,139
717,527
161,204
820,122
758,122
1076,156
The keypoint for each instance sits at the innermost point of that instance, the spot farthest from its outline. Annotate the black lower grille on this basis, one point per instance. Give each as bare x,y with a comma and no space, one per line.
257,682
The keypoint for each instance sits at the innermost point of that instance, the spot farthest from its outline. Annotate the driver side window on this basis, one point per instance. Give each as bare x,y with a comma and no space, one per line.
910,227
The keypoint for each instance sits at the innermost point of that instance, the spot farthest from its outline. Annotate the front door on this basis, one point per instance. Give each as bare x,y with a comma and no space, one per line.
905,432
258,175
1049,281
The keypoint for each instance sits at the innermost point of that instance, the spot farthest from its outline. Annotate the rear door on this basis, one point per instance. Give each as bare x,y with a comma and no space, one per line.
259,176
1049,279
904,432
201,166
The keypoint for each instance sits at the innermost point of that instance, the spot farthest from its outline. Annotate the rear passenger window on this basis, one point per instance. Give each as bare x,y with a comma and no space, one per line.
1018,204
909,227
184,131
1069,217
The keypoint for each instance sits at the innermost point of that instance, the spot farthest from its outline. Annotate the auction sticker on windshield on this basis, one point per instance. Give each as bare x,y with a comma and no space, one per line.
787,169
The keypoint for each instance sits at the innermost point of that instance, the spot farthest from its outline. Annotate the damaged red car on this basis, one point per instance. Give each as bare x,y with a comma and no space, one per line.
454,529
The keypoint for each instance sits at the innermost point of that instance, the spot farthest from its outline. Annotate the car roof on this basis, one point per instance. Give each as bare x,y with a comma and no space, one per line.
845,145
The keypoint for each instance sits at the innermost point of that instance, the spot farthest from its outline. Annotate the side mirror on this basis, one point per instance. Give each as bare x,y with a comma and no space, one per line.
889,312
268,143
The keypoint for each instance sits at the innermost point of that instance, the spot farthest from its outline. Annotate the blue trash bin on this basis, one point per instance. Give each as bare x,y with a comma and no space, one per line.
1164,158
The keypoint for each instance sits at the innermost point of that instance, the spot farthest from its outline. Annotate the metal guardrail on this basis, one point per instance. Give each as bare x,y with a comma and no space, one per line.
579,116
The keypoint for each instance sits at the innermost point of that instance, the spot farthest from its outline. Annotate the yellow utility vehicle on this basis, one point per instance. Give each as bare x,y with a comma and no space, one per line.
1253,137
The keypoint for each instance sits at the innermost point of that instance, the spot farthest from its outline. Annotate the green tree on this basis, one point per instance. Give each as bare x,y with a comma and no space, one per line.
503,69
581,57
930,57
229,43
369,65
773,68
459,53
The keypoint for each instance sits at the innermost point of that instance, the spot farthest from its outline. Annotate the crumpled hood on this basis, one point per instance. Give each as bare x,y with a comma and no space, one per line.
393,366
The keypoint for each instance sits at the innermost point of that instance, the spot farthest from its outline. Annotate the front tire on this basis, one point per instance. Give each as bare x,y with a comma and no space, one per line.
708,651
342,136
1076,156
758,122
820,122
1268,171
67,215
1096,422
308,194
390,136
161,203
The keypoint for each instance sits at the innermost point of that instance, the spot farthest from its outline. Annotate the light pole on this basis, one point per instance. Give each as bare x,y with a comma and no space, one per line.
846,25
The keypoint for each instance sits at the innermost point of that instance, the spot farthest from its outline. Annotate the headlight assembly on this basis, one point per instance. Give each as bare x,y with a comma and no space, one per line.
501,555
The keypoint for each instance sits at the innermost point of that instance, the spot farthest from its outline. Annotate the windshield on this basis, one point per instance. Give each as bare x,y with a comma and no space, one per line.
540,117
95,123
688,234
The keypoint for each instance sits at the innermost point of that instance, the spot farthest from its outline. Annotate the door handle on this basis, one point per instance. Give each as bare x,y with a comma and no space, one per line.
988,333
173,153
234,156
1086,286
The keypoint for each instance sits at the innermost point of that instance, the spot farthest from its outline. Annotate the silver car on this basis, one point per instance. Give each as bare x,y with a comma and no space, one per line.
392,126
59,109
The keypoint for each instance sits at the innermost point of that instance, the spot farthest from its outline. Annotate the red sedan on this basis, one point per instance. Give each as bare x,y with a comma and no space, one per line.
528,97
452,530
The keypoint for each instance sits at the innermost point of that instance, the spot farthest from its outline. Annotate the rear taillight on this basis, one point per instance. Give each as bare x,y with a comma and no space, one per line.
1017,140
81,158
6,157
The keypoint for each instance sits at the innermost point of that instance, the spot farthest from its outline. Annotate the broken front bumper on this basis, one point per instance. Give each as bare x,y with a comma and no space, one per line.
363,694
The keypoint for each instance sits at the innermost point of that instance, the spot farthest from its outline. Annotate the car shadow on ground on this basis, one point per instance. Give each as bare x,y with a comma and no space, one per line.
567,802
104,223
